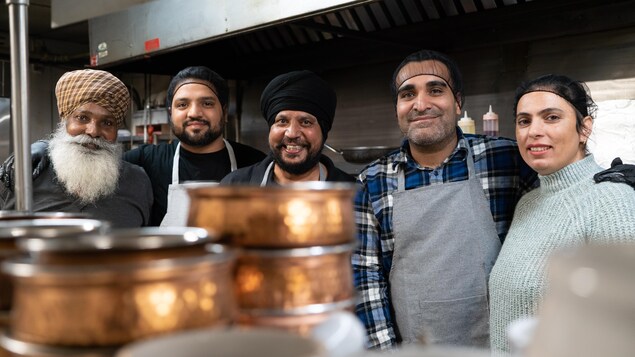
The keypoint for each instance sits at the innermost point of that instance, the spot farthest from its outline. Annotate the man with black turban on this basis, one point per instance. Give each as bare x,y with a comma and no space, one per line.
299,107
86,173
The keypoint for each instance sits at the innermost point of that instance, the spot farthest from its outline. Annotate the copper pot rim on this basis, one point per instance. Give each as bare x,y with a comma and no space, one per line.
25,215
311,309
302,252
125,239
49,228
251,191
24,348
28,267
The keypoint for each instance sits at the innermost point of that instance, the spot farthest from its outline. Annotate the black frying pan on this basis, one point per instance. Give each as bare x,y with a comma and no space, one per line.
362,154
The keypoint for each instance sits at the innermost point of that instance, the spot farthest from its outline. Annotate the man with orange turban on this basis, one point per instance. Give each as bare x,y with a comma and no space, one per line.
87,173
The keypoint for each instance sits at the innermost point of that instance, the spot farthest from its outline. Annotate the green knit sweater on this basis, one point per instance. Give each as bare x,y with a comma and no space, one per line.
568,209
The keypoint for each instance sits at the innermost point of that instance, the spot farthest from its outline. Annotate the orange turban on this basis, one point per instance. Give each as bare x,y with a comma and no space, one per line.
77,88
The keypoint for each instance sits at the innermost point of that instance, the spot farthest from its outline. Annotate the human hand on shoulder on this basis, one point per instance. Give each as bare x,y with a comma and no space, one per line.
39,162
619,172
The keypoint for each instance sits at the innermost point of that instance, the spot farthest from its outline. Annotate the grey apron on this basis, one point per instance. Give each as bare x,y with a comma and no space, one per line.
445,246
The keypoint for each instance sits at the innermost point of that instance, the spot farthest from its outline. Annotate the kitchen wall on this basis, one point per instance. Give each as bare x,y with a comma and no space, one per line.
42,105
365,114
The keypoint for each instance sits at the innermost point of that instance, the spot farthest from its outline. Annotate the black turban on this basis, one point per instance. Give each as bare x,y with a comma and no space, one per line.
303,91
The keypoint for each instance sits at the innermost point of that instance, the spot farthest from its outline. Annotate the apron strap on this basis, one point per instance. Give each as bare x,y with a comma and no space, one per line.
175,165
401,175
268,174
232,156
322,172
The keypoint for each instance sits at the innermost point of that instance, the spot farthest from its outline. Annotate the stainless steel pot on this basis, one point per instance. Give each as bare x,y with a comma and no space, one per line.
299,215
362,154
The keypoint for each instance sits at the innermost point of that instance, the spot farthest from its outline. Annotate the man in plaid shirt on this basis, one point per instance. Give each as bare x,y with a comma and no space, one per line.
432,216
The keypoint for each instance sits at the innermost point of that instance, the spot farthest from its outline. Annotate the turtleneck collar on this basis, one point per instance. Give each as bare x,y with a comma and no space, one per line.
569,175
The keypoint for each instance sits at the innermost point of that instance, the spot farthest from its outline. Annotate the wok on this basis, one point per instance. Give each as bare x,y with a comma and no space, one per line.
362,154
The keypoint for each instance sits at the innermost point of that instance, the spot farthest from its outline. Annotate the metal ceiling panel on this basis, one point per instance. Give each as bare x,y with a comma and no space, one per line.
469,6
431,10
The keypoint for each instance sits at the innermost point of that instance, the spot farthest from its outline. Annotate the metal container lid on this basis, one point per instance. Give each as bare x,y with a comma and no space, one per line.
11,215
22,348
129,239
49,228
311,309
313,251
97,273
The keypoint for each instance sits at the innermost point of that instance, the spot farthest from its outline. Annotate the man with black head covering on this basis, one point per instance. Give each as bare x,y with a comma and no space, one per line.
86,173
299,107
197,100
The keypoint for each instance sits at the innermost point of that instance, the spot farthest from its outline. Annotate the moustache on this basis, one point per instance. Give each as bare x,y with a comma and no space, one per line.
428,112
286,142
190,121
88,141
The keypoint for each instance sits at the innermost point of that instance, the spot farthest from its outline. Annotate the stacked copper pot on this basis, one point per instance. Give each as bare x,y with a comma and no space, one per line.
16,225
295,242
90,293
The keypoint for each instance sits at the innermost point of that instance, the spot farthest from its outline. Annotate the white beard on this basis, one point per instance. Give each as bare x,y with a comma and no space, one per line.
89,174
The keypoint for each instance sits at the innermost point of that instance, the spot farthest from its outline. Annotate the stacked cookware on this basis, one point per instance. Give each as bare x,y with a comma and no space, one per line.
16,225
294,245
88,294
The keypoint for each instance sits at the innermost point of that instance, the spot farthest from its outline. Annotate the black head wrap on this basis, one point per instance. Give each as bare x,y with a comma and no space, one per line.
303,91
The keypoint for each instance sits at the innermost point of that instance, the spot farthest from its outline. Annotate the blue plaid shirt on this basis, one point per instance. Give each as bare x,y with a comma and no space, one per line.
505,178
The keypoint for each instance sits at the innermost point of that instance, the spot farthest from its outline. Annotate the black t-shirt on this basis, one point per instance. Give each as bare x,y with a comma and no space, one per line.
157,161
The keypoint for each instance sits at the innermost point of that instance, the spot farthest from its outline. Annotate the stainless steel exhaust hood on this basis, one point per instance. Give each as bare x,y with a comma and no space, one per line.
166,25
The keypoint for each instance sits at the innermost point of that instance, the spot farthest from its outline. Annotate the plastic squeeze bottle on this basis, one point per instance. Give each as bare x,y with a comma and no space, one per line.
467,124
490,123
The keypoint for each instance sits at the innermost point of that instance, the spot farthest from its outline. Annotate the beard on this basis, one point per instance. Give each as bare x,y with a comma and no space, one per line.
296,168
89,174
197,139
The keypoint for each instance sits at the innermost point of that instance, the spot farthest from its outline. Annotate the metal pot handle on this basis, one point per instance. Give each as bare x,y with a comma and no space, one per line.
333,149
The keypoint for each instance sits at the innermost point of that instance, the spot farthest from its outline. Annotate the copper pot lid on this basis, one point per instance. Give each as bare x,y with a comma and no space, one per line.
27,267
314,251
312,309
48,228
129,239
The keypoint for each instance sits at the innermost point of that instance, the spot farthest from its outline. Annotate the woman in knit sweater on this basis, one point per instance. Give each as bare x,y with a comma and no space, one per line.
554,117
